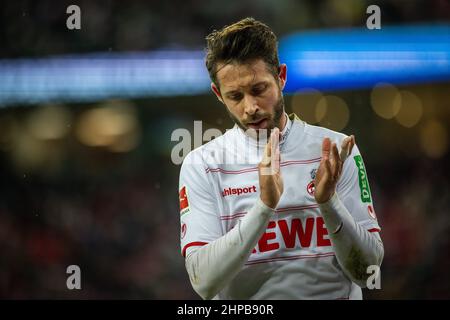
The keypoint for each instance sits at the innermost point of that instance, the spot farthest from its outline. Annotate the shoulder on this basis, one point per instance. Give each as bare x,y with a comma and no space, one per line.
313,133
205,154
310,137
316,133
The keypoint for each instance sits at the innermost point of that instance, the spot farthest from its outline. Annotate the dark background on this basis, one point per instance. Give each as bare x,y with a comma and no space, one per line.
112,208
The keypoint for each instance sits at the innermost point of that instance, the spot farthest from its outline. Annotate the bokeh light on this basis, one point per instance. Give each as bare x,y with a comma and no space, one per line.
49,122
304,104
333,113
113,125
411,109
384,100
434,138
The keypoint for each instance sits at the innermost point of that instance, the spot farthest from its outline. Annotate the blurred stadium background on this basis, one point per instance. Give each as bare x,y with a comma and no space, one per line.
86,117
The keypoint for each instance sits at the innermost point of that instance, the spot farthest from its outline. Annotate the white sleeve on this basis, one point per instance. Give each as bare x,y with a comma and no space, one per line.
350,218
199,216
212,266
354,191
355,247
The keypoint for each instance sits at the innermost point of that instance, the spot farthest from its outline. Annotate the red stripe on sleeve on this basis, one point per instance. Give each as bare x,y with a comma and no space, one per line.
374,230
192,244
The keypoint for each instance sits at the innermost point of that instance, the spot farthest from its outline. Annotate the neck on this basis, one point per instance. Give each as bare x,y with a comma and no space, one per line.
283,121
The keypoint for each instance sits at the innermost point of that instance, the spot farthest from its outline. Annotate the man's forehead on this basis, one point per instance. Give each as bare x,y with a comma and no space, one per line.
233,75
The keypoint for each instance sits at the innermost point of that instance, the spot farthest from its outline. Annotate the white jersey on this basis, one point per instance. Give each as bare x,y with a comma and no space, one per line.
294,258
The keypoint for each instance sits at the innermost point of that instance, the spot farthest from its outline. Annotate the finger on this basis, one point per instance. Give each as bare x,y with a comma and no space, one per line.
328,172
335,161
275,138
326,146
267,153
352,144
345,148
269,161
275,150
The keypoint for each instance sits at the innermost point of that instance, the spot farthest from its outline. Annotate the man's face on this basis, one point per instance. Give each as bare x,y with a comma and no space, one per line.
251,94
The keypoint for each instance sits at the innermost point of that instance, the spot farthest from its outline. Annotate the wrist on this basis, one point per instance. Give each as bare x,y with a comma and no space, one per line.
332,201
323,199
330,211
263,206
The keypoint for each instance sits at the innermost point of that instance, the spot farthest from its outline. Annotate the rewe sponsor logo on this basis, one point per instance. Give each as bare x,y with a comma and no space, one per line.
238,191
295,233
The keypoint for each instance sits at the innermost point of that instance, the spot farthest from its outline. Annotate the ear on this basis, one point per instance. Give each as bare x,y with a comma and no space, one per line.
282,75
216,92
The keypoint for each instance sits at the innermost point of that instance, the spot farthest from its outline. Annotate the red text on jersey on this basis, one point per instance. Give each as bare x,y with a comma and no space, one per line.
238,191
291,230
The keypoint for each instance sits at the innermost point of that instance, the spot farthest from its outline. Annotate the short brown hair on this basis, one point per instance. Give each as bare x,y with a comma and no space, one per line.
245,40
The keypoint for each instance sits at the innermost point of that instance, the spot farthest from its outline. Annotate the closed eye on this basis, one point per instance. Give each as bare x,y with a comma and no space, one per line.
235,96
259,89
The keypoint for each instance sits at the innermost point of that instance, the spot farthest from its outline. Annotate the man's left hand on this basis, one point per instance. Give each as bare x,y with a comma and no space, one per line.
330,168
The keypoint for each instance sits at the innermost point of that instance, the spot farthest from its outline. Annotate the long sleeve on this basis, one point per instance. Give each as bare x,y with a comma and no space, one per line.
212,266
355,247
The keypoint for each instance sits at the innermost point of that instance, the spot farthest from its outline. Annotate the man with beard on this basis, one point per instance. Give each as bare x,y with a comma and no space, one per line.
294,220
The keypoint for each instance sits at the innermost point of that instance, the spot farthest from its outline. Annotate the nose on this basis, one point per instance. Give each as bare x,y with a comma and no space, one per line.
250,105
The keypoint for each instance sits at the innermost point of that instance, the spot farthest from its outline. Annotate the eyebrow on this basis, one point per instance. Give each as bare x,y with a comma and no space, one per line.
253,85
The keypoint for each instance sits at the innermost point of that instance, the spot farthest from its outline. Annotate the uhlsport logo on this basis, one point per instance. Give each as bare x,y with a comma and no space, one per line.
238,191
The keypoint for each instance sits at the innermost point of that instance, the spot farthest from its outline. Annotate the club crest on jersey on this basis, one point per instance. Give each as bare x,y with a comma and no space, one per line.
184,202
313,174
310,188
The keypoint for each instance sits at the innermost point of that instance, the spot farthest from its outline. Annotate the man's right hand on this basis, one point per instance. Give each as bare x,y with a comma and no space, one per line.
270,180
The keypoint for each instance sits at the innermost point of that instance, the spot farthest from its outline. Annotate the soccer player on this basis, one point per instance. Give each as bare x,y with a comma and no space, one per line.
292,217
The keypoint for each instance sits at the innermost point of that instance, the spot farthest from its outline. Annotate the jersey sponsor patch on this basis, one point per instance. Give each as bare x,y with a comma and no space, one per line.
298,233
363,182
184,202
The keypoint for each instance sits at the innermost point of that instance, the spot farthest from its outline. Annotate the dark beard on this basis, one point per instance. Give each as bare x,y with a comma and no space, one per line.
274,122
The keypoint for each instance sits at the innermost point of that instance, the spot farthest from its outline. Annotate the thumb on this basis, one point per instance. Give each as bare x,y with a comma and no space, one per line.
346,148
271,157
